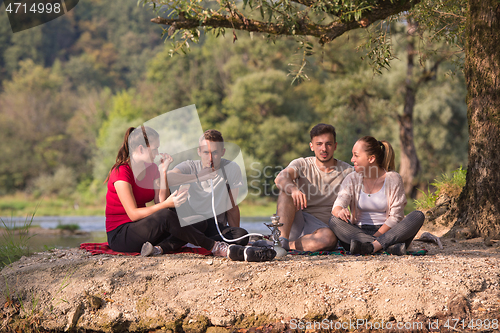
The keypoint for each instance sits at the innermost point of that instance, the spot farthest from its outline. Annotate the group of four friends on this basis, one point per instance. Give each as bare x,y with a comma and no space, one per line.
322,201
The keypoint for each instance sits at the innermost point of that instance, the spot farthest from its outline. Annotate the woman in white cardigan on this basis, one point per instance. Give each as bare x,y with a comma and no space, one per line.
368,214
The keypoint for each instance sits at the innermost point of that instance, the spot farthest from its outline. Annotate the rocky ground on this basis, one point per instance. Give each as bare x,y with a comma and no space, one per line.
71,290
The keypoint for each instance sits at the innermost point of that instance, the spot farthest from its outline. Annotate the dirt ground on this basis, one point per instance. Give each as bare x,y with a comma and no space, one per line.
70,289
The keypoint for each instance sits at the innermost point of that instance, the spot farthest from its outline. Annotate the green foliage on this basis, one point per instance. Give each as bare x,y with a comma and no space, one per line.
15,239
73,115
290,18
125,107
442,20
35,107
379,49
450,185
198,78
428,199
106,43
126,112
111,140
68,227
61,183
188,20
80,204
441,126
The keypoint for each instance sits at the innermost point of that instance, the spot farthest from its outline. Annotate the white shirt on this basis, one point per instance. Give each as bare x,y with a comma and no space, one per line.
372,207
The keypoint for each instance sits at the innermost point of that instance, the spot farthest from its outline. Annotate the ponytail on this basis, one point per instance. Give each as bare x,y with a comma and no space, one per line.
388,161
123,156
133,139
382,150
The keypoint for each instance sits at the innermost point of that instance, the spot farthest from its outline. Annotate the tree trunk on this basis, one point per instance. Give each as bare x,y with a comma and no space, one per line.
479,203
409,165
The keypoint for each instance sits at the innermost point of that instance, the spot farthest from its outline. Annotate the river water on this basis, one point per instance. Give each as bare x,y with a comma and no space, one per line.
95,226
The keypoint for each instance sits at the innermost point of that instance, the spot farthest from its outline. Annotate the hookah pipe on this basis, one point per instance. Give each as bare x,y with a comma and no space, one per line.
273,226
275,234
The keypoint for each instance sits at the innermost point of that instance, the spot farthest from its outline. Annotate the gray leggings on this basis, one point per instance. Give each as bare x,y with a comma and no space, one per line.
403,232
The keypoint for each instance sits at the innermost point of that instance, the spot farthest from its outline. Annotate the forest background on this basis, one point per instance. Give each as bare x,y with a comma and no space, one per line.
70,88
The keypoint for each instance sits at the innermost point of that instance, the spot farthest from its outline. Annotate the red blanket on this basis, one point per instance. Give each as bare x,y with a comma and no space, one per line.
103,248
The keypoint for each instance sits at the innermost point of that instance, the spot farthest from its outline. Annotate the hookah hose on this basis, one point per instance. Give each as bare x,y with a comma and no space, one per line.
217,223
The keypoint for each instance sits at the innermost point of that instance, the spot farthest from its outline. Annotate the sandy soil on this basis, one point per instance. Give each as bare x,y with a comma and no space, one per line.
71,290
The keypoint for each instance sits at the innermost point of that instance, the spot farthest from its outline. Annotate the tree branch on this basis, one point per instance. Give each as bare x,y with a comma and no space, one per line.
226,21
325,33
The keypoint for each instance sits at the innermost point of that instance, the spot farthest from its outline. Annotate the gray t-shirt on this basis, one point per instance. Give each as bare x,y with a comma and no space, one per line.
321,188
200,194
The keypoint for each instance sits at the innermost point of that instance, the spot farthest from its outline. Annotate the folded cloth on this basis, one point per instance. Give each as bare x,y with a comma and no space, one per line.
103,248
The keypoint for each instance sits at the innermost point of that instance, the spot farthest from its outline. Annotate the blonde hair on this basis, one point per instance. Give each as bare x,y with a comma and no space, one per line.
382,150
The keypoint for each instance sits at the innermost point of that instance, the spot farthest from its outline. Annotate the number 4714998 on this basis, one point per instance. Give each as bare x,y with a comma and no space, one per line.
474,324
35,8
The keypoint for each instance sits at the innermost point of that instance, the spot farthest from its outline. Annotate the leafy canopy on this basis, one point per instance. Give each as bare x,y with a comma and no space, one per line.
322,19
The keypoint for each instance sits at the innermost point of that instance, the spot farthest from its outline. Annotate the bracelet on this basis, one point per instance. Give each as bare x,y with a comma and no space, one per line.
197,179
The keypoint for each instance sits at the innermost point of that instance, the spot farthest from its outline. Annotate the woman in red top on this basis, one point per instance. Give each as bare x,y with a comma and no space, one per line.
132,226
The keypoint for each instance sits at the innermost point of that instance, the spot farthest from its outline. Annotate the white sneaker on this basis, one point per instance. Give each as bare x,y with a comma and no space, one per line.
220,249
149,250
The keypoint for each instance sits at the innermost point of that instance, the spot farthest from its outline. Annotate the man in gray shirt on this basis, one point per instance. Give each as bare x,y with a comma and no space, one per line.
308,188
226,182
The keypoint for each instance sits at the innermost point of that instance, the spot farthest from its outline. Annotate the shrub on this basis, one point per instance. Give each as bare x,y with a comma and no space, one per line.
69,227
449,185
61,183
428,199
14,242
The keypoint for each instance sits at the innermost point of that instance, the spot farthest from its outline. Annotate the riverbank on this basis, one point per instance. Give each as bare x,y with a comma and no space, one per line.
49,232
25,205
61,289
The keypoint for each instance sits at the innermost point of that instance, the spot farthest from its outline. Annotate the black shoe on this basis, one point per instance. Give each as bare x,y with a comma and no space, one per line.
259,254
398,249
358,247
236,252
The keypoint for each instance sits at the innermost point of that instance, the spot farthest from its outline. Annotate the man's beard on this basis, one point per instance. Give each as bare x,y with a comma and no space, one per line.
324,161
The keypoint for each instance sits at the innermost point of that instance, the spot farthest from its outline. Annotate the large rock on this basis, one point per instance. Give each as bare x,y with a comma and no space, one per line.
72,290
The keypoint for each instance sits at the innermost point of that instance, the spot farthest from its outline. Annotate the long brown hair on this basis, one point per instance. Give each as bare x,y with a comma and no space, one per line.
134,137
382,150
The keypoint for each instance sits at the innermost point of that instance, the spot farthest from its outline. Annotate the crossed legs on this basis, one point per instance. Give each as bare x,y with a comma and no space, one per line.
161,228
403,232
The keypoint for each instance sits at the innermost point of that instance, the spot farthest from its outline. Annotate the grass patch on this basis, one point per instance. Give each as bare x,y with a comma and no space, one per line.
450,185
20,204
257,208
68,227
428,199
15,239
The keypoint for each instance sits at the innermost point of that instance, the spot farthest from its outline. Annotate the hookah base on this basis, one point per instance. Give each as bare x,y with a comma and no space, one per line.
280,252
